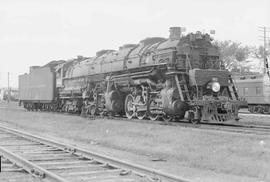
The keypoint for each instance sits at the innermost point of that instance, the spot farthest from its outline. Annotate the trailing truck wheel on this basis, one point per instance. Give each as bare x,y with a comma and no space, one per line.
167,118
151,113
129,107
141,114
92,110
153,117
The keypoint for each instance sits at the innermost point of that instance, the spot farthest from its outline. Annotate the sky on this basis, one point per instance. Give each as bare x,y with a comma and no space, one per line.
34,32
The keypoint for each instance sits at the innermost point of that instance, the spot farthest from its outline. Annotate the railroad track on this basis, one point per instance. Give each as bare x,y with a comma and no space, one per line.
238,128
11,173
228,127
51,161
254,114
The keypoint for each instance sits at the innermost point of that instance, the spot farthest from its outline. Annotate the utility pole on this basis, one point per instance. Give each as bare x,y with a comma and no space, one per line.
8,89
264,30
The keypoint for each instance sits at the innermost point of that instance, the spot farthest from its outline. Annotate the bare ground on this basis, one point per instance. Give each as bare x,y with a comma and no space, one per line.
199,155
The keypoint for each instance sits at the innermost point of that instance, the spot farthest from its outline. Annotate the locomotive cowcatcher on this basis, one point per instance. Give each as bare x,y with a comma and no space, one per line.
159,78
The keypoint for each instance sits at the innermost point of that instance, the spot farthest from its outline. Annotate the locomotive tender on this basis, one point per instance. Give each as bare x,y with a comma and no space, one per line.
157,78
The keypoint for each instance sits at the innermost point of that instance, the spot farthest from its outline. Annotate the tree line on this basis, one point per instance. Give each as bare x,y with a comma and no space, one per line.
233,54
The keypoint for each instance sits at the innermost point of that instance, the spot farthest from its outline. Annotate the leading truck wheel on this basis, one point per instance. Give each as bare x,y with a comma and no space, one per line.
191,118
129,107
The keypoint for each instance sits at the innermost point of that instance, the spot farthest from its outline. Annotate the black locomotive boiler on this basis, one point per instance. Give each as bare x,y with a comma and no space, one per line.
157,78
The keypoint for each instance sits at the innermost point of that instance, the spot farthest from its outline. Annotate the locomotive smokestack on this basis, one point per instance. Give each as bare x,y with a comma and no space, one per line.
175,33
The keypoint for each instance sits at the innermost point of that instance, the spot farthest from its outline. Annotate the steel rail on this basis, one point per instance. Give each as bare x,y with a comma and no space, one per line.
30,167
227,127
247,129
205,125
253,114
135,168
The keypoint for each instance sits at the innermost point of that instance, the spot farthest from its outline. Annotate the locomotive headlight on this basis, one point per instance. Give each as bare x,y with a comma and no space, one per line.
215,87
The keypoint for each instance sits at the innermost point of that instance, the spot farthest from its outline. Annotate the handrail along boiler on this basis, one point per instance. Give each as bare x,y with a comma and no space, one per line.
157,78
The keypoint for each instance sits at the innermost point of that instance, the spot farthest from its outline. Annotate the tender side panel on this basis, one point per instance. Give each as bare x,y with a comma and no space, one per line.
39,85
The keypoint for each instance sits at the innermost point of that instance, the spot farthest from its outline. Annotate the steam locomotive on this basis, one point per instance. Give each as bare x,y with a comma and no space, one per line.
158,78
